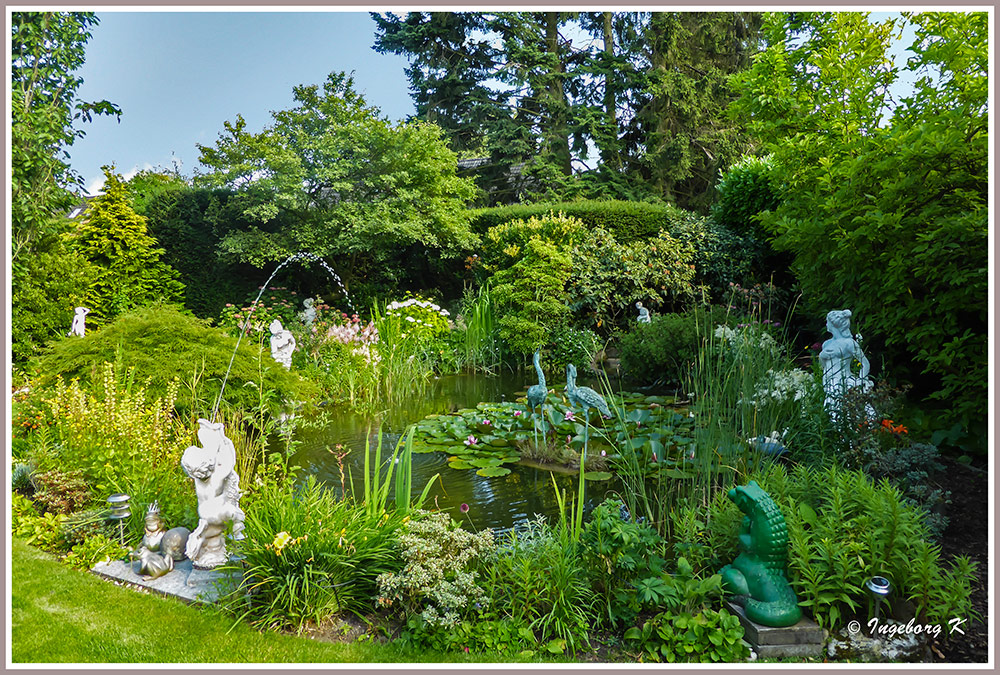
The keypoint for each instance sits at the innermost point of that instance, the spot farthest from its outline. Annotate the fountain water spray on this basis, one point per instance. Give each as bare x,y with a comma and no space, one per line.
301,255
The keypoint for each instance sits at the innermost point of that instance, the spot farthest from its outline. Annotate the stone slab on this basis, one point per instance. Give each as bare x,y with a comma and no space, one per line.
788,651
805,632
184,583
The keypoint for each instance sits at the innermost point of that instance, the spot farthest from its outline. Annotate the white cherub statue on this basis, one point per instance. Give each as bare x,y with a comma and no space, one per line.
282,344
217,486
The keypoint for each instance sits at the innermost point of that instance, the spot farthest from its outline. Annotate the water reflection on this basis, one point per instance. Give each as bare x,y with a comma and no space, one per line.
500,503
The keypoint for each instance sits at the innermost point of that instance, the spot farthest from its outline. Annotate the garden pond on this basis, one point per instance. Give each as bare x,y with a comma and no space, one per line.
476,434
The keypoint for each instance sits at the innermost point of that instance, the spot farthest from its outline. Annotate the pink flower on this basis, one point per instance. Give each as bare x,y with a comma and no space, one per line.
471,440
464,508
603,453
517,413
569,415
486,423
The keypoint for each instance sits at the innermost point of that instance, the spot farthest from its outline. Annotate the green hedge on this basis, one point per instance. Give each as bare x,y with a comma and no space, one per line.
627,221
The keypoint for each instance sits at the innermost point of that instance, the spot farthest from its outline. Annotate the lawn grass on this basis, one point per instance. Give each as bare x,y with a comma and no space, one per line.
61,615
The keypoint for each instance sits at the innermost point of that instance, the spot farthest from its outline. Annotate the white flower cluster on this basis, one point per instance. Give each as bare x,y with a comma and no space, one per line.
426,304
783,385
436,574
748,336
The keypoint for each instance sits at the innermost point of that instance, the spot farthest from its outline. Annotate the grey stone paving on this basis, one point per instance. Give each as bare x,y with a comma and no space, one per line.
184,582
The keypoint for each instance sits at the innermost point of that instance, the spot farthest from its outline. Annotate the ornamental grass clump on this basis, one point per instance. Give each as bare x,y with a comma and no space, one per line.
438,582
308,555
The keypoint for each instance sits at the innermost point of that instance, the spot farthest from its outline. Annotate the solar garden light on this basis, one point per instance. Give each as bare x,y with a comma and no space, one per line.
879,587
119,505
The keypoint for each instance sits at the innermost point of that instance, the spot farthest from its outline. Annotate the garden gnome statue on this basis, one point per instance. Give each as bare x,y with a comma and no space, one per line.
153,562
282,344
643,313
79,326
217,486
308,315
837,357
757,577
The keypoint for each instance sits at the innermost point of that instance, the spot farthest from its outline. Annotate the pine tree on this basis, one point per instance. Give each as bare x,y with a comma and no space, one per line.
114,238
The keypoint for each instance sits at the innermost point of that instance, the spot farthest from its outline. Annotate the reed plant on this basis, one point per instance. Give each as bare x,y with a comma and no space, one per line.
480,345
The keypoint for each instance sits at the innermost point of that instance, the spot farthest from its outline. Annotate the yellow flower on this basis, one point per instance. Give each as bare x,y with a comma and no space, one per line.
281,540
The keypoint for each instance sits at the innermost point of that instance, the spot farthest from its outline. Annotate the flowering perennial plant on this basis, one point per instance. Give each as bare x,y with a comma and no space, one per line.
438,581
424,319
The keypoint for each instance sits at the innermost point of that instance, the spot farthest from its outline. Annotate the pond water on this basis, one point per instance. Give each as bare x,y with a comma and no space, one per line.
500,503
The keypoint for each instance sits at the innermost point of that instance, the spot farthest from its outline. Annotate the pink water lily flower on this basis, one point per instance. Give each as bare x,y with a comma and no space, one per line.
471,440
569,415
518,413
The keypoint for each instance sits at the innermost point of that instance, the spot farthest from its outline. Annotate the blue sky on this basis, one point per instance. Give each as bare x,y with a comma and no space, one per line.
179,75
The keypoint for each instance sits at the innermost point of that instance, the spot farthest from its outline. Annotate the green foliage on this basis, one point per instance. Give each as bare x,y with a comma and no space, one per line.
531,296
308,555
570,345
627,221
537,577
95,549
476,336
844,528
427,320
342,182
619,552
46,286
663,349
47,48
706,637
438,581
608,278
745,190
44,531
275,303
113,237
870,206
189,223
162,343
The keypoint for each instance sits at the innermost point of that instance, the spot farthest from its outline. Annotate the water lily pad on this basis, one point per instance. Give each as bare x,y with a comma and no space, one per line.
493,472
597,475
499,442
461,465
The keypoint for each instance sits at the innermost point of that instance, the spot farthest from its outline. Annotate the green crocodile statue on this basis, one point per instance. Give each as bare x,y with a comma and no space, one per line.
757,576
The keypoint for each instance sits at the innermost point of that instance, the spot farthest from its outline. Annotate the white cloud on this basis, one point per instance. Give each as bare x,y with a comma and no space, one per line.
95,185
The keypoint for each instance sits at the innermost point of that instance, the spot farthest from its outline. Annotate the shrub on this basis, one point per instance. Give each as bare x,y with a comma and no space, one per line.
609,277
570,345
163,344
627,221
618,552
745,190
95,549
531,296
662,350
438,581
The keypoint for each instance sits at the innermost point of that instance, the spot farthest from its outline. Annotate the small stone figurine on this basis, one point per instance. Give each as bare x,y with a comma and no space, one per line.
217,486
153,562
282,344
837,357
79,326
643,313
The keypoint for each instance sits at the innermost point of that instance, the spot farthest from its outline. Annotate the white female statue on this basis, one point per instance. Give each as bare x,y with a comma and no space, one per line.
217,486
79,326
837,357
282,344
